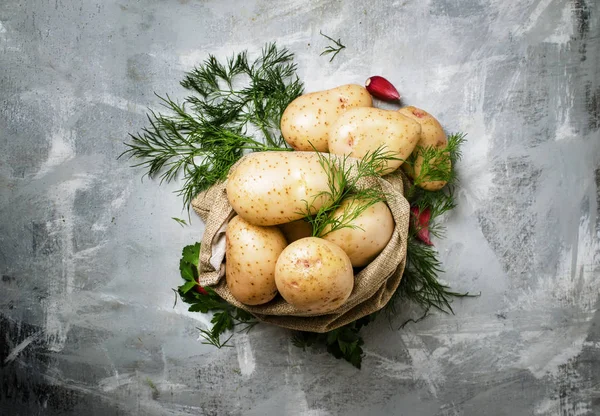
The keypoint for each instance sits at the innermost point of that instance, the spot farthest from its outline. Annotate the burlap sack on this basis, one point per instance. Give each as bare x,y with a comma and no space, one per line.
374,284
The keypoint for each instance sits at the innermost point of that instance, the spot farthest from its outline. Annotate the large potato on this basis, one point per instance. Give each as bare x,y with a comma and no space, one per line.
308,118
432,135
314,275
370,232
362,130
270,188
251,255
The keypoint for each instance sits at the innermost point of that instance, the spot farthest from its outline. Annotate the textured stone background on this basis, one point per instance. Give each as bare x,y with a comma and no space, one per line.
89,253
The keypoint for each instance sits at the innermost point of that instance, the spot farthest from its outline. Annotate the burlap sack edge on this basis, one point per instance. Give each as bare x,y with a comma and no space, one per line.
212,205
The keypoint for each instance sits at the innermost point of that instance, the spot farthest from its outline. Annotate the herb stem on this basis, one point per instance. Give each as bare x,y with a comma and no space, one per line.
213,121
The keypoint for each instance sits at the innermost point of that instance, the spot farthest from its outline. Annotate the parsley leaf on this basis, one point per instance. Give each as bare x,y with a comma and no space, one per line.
225,316
344,342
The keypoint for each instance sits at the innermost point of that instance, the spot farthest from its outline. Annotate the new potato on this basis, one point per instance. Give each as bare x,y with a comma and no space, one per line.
270,188
314,275
369,232
308,118
432,135
362,130
251,255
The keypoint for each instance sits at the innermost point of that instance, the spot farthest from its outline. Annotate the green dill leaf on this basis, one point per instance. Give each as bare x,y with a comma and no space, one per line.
211,339
420,282
199,139
179,221
437,164
332,49
343,176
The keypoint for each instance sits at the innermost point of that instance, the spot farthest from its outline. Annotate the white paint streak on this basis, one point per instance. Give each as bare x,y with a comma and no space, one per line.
115,101
391,368
297,404
58,305
425,366
244,354
562,406
533,17
546,351
17,350
564,30
62,149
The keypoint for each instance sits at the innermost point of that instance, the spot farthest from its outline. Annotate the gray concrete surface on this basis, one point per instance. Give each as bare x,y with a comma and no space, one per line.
89,252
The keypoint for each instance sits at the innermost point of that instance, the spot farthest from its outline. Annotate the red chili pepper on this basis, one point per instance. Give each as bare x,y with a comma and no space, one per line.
421,223
201,290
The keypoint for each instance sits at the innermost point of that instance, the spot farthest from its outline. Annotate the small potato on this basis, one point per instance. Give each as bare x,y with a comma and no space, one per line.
362,130
372,230
308,118
251,255
296,230
270,188
314,275
432,135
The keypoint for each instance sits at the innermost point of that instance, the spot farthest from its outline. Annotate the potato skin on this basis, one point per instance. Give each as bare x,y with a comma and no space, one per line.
269,188
251,255
363,244
308,118
296,230
314,275
432,135
362,130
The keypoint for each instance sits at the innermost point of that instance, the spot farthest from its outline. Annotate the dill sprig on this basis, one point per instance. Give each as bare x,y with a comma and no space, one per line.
420,282
436,163
332,49
235,108
343,176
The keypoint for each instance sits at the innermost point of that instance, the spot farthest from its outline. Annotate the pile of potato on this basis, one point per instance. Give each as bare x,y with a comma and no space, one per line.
269,248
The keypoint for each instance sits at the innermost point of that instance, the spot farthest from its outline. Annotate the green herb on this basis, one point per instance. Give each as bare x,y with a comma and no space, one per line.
420,282
225,316
201,138
155,392
332,49
343,178
437,164
179,221
442,201
344,342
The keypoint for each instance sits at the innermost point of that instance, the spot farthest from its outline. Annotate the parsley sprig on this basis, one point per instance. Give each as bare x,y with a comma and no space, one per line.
225,316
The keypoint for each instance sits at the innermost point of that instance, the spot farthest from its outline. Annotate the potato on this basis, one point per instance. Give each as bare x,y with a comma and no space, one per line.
296,230
308,118
373,230
362,130
251,255
432,135
269,188
314,275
